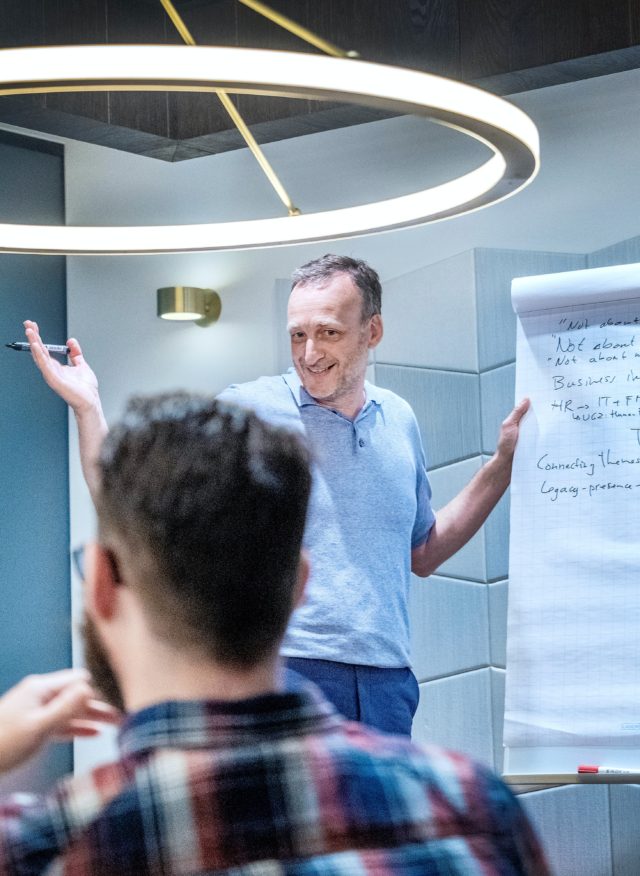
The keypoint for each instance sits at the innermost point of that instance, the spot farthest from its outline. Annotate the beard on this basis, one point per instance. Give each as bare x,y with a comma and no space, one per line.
97,662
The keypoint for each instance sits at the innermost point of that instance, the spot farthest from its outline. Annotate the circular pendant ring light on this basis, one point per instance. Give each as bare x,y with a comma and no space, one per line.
506,130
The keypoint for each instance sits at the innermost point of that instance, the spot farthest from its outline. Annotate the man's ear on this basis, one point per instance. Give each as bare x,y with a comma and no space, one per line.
304,568
376,331
103,583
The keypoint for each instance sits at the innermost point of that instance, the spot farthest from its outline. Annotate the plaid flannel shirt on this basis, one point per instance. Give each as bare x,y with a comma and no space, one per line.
274,786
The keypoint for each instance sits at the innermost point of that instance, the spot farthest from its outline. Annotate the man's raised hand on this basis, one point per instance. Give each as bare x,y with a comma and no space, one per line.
75,383
78,386
510,430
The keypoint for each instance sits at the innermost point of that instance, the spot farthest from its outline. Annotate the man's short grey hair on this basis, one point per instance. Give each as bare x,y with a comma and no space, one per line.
320,271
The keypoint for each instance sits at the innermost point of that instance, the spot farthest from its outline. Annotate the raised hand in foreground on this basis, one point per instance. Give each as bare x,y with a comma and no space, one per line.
40,708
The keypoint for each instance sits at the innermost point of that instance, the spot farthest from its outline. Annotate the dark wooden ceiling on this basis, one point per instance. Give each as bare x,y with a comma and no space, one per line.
506,45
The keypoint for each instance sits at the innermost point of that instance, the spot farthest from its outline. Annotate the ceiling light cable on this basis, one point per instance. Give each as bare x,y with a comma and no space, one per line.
298,30
236,117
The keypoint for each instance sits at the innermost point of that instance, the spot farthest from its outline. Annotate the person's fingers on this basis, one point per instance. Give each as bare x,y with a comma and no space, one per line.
75,352
32,332
51,683
57,714
518,412
39,352
92,721
77,729
98,710
67,688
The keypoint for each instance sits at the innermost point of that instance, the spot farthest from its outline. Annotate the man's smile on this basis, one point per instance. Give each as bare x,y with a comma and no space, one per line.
318,370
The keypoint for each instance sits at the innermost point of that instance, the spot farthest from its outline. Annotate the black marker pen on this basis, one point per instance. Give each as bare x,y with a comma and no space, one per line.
24,347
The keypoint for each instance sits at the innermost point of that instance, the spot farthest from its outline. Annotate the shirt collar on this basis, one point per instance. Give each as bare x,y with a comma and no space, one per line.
215,724
300,394
302,397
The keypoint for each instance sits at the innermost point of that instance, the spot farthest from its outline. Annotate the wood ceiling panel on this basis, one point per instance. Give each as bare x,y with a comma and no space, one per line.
498,36
392,33
254,31
506,40
194,115
212,23
436,24
633,14
22,24
72,22
128,22
527,34
575,28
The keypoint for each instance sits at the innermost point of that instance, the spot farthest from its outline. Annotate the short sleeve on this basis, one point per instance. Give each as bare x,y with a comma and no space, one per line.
425,518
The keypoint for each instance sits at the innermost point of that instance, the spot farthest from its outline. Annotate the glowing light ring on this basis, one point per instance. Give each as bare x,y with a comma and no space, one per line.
510,134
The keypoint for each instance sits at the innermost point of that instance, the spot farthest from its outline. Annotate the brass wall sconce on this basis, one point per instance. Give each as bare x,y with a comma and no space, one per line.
203,306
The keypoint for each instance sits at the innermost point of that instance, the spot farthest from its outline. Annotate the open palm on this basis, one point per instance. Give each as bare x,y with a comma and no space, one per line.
75,383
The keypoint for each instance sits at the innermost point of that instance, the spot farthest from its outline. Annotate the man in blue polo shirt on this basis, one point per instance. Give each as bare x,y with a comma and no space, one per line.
370,522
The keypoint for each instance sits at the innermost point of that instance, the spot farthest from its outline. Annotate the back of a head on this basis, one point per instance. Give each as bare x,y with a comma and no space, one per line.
204,505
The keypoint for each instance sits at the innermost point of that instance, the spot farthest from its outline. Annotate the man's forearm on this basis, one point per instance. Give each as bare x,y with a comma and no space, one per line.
462,517
459,521
92,428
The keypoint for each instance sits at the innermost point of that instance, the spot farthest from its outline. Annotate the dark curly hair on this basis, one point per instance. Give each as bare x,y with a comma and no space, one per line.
203,506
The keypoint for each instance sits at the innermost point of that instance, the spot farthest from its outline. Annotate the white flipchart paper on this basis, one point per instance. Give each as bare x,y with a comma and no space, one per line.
573,642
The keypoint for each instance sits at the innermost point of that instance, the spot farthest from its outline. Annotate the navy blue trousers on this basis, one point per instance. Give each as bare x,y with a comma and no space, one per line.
382,698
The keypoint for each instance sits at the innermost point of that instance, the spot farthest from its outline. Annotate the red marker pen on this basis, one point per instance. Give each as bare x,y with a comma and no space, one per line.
587,769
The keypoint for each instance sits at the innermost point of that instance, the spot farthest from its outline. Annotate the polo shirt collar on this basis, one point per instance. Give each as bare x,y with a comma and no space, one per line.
300,394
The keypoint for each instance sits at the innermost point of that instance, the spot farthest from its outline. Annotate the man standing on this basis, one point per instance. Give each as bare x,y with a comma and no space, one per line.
188,590
370,520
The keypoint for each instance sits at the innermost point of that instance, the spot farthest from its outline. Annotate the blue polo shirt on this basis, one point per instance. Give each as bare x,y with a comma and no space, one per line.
370,505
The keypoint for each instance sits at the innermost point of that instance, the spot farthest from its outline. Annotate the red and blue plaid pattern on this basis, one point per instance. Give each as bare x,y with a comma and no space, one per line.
275,786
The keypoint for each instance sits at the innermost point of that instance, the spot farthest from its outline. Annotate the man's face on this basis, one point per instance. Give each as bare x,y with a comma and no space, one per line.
330,342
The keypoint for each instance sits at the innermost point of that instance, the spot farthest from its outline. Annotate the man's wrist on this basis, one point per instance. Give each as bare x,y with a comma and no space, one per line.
498,468
90,413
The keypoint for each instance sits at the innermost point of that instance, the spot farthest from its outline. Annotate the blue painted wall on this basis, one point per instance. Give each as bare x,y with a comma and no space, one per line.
35,609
